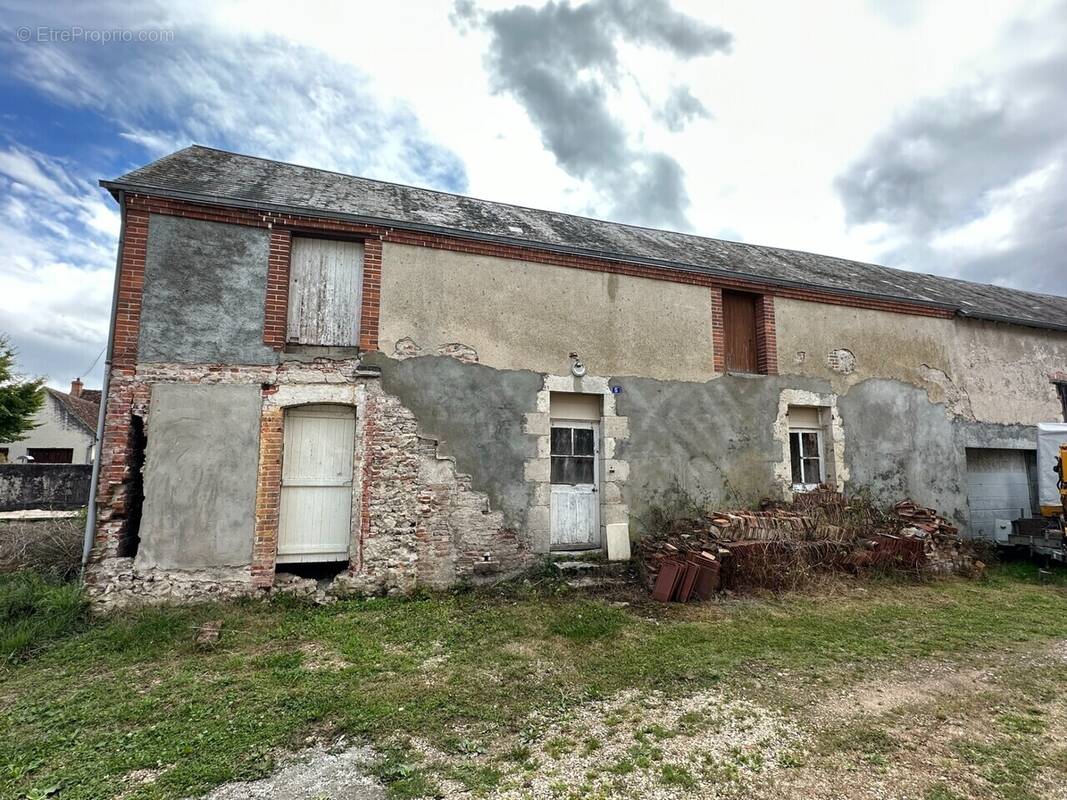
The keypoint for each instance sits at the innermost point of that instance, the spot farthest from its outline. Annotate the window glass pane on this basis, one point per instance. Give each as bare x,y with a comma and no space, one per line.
583,442
563,469
810,443
794,457
583,470
561,441
812,472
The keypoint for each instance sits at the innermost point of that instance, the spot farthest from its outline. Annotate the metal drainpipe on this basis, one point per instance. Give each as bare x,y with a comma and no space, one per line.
90,517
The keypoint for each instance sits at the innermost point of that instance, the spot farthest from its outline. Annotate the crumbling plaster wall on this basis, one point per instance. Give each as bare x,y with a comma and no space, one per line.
982,371
419,520
476,414
519,315
723,437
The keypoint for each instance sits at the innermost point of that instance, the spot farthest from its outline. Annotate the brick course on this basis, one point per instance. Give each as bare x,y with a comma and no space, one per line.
268,495
766,340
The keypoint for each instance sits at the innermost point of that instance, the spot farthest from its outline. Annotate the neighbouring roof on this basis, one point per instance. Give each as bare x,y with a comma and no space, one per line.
83,410
209,175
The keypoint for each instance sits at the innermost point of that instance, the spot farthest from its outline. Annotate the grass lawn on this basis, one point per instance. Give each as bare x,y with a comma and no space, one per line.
488,691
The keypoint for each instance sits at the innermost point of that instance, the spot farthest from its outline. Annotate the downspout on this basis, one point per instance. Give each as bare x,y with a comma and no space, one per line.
90,517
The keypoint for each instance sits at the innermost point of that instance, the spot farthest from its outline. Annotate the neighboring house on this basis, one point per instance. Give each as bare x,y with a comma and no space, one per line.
419,388
65,431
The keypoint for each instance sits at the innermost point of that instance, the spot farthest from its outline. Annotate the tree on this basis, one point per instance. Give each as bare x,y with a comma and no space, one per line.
19,399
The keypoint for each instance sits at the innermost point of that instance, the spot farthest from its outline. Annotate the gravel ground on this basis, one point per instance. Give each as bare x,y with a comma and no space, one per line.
318,773
713,746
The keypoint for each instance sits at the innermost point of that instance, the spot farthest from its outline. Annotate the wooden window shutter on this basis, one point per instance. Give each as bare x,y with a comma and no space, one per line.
325,292
739,329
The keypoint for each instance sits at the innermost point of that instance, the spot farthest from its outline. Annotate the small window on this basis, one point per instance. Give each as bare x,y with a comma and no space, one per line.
573,452
3,455
805,455
51,455
325,292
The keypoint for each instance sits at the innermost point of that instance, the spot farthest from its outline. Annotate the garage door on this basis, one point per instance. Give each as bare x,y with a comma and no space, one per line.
999,486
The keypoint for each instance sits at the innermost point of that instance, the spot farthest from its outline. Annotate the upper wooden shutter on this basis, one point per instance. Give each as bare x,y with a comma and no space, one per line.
325,288
739,326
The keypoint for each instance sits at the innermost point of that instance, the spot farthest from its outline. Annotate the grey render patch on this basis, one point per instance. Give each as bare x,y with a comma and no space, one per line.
476,414
900,444
204,293
200,477
714,438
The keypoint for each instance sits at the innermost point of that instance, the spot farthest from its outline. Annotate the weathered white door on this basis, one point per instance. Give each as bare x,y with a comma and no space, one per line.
325,290
575,509
315,518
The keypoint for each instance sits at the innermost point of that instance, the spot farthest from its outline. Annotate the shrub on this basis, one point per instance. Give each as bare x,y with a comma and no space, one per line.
50,547
673,509
35,610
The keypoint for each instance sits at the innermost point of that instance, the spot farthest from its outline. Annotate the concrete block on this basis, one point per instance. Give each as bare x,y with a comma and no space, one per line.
607,450
538,469
618,536
538,424
537,518
617,427
544,446
610,492
615,513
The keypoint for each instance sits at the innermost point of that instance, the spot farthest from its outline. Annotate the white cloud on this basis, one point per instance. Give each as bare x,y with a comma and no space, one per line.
396,91
58,237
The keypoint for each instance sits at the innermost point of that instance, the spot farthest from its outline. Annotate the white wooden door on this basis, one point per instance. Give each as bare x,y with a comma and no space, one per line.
315,518
325,289
575,509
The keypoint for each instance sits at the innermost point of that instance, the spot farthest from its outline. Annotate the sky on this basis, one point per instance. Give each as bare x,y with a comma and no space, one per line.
929,135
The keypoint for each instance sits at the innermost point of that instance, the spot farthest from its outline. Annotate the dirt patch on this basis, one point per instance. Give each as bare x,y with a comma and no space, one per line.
319,657
919,687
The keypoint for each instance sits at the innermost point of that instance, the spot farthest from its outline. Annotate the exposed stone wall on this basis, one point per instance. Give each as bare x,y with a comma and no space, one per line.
417,520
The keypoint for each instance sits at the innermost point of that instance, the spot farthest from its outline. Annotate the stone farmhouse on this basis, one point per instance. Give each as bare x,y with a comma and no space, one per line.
312,373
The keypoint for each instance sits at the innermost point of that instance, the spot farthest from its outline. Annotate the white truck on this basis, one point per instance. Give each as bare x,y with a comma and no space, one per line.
1046,534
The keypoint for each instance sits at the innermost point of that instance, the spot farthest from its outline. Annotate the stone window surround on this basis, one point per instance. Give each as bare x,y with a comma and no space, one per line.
614,472
268,500
833,438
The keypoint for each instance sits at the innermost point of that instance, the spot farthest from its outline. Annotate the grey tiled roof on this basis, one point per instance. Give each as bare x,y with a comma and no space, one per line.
81,409
214,175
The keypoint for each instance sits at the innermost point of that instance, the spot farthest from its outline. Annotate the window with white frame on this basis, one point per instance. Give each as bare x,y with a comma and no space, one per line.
806,453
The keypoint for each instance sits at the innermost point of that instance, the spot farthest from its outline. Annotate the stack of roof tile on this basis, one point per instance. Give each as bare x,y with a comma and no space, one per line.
779,545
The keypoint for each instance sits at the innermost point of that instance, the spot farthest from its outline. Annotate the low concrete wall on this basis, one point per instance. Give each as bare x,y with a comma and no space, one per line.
56,486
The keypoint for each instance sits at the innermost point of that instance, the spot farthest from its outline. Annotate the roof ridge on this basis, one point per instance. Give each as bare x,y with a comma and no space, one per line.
211,174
